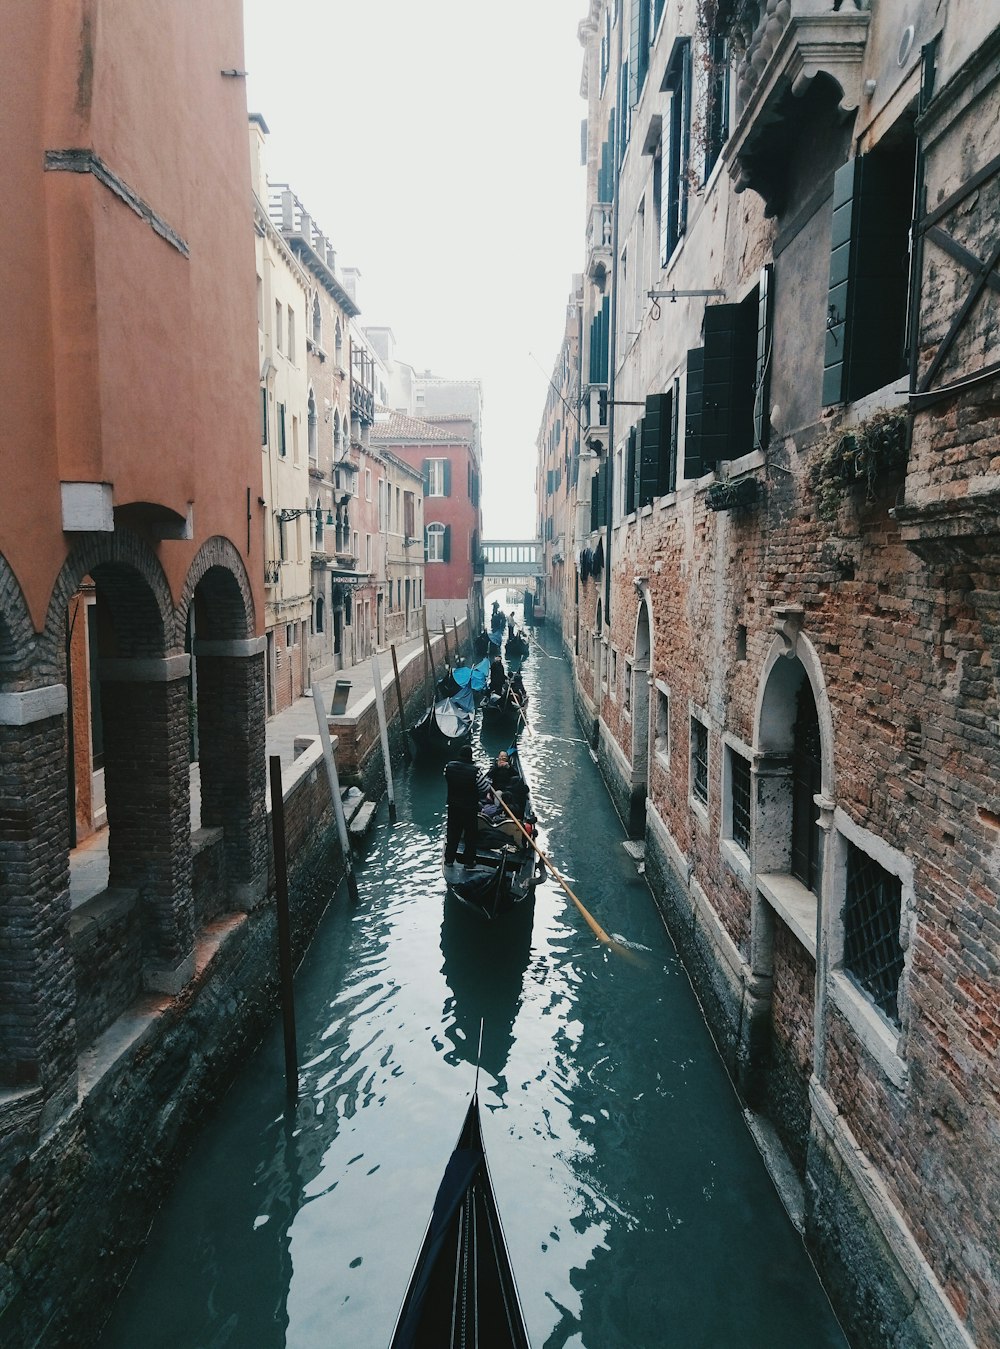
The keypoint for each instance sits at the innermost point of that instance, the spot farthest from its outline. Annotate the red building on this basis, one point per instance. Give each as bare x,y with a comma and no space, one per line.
447,461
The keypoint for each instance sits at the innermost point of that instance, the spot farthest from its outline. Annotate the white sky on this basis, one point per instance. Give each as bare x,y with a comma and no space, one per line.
437,145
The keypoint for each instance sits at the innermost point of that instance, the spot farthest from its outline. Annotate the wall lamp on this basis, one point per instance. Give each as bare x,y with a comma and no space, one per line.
286,515
674,295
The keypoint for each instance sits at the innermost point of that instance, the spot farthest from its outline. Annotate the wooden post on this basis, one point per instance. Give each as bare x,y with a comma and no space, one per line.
458,646
399,699
430,658
334,780
285,971
383,731
444,637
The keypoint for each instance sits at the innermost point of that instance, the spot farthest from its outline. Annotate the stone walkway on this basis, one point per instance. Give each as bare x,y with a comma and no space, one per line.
88,863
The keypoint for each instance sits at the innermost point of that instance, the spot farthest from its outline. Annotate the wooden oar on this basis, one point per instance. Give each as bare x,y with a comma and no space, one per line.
524,717
588,918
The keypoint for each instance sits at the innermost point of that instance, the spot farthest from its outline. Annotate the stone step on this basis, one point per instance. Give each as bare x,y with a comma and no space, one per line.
361,822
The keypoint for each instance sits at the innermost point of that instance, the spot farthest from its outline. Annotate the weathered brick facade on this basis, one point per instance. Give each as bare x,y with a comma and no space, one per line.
794,681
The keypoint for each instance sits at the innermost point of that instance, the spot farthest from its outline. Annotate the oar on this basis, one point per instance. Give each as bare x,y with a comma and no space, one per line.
524,717
588,918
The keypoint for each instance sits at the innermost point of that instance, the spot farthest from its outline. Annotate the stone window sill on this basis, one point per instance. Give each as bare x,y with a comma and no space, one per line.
794,904
699,809
878,1036
737,861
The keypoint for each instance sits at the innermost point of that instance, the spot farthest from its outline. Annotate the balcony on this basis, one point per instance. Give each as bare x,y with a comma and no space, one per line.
599,244
783,46
594,407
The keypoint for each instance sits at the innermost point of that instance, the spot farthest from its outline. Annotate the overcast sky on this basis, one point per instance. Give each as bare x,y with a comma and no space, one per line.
438,146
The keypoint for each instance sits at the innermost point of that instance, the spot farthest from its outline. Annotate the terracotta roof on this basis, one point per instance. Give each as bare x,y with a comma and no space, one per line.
398,428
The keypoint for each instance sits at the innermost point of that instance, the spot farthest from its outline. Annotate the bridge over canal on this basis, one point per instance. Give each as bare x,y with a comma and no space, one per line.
510,562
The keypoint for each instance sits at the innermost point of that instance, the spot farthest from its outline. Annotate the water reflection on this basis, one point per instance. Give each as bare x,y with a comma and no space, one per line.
636,1208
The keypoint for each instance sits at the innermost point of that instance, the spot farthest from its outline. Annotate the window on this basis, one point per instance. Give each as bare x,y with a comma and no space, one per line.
279,327
728,381
339,344
675,149
437,478
382,522
317,322
289,635
869,270
282,442
313,428
628,686
716,100
661,742
263,416
437,543
873,956
638,54
291,335
295,439
699,761
260,303
599,497
807,782
656,468
614,672
409,515
319,614
738,773
368,552
336,429
368,484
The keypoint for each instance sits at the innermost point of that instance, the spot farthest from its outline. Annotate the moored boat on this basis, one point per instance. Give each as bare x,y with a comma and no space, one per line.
517,646
445,726
462,1290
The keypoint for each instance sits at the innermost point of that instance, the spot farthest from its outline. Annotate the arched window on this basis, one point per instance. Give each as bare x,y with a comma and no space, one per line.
320,614
339,348
437,543
313,427
317,322
336,428
807,782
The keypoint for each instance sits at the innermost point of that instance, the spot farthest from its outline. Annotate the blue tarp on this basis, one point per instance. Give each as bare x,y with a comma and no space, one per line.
480,674
461,675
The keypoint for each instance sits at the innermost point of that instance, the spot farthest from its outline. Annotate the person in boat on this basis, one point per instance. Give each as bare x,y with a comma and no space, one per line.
502,773
498,675
463,779
510,624
518,692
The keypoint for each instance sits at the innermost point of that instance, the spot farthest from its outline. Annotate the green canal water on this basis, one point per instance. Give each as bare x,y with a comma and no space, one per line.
636,1207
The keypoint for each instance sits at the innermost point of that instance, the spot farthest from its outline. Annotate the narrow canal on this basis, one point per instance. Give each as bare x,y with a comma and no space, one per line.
636,1207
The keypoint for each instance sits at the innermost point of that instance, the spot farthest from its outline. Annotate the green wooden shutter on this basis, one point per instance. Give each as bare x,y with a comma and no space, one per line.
765,340
427,477
634,45
426,541
835,356
693,412
670,484
651,448
727,400
263,416
594,499
446,544
447,478
630,469
602,507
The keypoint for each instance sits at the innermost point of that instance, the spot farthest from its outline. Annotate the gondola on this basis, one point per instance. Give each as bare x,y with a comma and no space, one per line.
462,1290
445,726
517,646
479,679
506,872
503,709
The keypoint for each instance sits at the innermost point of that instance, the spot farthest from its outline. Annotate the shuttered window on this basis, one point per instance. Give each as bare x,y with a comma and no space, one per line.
638,50
657,449
630,471
675,150
869,264
765,353
600,326
692,413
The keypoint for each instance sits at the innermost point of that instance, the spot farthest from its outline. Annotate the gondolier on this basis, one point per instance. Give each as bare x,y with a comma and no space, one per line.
462,778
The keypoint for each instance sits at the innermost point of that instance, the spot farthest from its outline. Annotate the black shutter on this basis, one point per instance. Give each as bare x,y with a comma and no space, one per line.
727,401
630,467
835,356
263,416
595,483
426,539
651,448
765,340
602,507
692,413
427,477
670,484
447,477
446,544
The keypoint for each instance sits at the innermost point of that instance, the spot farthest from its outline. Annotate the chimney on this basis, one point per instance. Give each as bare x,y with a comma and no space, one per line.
350,276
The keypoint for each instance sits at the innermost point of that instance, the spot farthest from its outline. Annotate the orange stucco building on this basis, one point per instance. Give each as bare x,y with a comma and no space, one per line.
132,474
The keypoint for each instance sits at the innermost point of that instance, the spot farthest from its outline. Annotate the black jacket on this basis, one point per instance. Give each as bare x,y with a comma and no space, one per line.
462,778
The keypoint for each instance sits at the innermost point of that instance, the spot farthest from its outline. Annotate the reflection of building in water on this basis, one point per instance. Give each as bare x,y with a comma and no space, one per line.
484,965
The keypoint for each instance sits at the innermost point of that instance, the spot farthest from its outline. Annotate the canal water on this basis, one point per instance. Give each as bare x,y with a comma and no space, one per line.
637,1210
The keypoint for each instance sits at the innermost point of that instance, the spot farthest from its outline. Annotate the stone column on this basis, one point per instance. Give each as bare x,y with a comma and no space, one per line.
144,705
37,992
231,722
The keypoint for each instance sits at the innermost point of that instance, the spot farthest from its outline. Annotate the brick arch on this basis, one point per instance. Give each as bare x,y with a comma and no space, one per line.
17,635
780,677
225,600
130,583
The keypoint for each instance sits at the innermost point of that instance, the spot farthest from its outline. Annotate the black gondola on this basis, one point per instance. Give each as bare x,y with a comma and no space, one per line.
444,727
462,1290
506,872
504,709
517,646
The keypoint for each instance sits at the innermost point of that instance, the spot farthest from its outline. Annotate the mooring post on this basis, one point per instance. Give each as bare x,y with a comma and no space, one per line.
285,971
458,649
430,658
399,699
444,636
383,731
334,780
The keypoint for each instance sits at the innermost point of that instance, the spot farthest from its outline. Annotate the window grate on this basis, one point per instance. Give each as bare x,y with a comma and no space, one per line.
872,953
739,777
699,760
